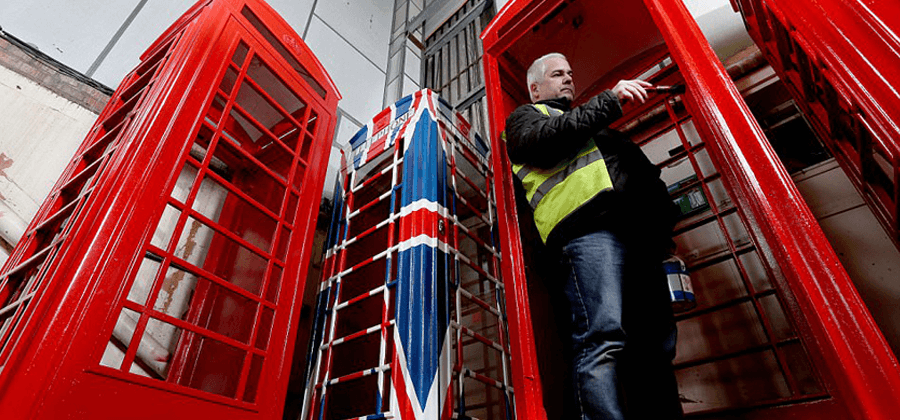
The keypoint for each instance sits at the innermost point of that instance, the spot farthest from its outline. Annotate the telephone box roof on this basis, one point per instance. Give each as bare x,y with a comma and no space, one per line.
275,31
603,39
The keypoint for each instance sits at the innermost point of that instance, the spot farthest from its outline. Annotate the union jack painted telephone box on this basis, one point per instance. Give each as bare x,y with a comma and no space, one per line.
162,276
410,320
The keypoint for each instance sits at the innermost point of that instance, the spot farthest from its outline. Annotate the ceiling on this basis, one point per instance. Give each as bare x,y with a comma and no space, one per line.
609,40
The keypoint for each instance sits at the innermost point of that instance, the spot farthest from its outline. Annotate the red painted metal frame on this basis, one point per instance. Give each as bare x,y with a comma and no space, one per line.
865,371
53,371
526,377
862,370
853,48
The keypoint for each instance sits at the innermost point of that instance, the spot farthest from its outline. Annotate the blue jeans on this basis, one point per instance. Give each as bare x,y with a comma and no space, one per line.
623,334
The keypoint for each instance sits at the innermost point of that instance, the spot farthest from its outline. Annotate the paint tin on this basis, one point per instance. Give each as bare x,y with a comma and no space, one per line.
680,290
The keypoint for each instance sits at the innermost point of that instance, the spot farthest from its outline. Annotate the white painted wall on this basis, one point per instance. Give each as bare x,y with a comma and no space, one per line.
723,28
39,133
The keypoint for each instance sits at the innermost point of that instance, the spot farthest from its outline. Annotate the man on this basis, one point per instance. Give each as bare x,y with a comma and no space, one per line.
599,203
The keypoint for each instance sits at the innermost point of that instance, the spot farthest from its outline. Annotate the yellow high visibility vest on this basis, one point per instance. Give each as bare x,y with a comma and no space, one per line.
556,193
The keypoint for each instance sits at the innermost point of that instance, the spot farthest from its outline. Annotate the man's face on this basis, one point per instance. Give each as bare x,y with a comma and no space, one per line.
556,83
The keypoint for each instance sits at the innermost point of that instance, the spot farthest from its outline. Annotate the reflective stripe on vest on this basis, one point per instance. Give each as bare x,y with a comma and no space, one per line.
556,193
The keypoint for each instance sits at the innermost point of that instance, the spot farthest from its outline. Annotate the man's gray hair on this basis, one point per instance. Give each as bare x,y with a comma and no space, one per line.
538,68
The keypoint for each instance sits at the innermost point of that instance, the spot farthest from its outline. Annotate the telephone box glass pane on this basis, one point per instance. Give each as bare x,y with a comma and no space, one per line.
143,281
283,51
154,353
236,215
221,255
221,368
249,177
260,73
175,293
201,310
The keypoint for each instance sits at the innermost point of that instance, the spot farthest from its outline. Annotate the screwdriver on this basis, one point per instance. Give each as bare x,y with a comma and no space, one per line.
666,89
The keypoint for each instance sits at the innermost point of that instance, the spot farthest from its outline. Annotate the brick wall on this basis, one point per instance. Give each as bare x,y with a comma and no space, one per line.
54,76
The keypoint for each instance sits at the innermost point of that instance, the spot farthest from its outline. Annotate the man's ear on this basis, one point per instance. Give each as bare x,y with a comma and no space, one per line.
533,89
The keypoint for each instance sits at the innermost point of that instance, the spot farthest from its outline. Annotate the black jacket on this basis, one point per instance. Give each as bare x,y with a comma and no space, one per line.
639,204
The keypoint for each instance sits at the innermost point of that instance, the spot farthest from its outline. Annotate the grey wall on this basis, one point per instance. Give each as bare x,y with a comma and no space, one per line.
104,39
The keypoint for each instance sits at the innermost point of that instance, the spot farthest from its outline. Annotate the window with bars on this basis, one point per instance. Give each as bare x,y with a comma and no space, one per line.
739,347
452,64
201,307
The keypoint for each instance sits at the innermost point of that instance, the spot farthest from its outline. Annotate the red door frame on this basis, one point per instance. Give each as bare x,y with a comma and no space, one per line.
865,372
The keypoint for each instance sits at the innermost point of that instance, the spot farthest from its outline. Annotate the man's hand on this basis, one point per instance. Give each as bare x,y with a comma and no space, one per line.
631,90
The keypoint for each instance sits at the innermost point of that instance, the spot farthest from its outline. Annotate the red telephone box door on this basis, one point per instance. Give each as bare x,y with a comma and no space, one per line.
163,276
783,333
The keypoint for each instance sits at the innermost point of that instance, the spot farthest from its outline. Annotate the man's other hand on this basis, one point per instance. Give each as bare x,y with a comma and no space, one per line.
631,90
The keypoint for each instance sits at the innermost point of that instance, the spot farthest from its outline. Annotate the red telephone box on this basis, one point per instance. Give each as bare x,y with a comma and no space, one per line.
840,60
780,331
163,275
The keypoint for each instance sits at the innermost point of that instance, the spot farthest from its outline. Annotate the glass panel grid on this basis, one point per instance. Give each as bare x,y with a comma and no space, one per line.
451,62
721,265
205,292
311,83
